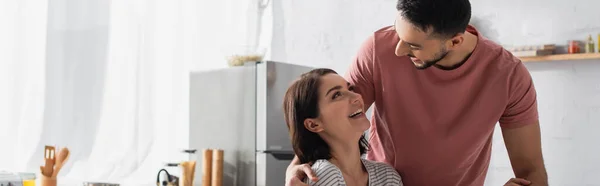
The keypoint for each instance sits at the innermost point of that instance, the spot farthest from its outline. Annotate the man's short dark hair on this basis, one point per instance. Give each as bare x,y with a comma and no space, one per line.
446,17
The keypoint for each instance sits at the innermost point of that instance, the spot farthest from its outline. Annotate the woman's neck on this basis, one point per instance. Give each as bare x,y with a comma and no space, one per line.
346,156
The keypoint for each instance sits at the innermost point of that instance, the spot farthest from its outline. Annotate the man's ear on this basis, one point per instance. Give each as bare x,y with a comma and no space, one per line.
457,40
313,125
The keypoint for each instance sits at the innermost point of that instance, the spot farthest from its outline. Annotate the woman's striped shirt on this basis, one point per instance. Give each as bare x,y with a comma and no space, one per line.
380,174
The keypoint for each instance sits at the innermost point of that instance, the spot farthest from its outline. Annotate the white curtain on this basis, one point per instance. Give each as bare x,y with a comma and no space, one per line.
109,80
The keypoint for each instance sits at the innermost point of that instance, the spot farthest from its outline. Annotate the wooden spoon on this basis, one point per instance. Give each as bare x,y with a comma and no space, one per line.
50,160
61,158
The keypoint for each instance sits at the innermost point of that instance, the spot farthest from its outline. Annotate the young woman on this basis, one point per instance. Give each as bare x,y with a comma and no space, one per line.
326,123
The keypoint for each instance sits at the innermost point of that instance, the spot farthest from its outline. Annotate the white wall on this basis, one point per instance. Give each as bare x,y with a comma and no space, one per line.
328,33
568,91
320,33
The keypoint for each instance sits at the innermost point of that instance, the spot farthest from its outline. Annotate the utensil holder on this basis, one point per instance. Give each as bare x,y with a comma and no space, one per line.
187,173
48,181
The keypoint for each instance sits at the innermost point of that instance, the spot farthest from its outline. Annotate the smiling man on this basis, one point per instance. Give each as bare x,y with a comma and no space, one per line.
439,88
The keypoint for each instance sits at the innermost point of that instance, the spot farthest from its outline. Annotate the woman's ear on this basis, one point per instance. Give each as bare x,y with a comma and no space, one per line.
313,125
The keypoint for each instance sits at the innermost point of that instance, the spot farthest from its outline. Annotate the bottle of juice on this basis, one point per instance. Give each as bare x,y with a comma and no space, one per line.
589,46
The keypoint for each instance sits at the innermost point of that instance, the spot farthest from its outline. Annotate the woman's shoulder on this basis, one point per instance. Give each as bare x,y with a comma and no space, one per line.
378,165
327,173
323,165
383,172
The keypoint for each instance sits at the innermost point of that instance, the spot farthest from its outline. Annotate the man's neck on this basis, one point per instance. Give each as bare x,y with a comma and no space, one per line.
347,158
460,55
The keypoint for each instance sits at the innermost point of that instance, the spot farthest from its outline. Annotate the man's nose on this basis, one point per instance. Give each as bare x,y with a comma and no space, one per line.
401,49
355,99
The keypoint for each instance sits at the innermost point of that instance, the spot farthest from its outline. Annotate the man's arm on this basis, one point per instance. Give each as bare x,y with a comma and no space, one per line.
521,128
361,72
525,152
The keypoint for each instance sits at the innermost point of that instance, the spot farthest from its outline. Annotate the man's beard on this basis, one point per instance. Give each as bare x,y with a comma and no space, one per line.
438,57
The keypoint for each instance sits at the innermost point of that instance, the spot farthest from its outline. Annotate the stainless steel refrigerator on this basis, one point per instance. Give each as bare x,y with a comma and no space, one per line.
239,110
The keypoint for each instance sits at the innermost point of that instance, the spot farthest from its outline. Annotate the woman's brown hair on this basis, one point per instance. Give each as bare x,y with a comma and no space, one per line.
301,102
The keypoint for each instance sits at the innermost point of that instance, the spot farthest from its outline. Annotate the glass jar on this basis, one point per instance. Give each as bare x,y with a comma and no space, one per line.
574,47
28,178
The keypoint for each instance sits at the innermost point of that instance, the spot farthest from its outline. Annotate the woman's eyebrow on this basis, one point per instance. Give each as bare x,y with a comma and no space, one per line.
332,89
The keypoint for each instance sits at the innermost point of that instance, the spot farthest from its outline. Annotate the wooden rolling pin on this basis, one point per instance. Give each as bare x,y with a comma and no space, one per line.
217,168
207,166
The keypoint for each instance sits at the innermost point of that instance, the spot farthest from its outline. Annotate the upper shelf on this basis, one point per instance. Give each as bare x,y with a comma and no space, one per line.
561,57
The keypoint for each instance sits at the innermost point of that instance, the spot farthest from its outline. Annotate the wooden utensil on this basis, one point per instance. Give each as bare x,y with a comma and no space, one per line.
207,167
217,168
50,160
61,158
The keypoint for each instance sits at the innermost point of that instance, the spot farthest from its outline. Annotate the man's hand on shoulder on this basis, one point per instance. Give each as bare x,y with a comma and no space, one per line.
296,172
295,182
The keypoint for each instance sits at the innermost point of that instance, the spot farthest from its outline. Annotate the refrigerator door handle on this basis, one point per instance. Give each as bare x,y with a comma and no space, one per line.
280,154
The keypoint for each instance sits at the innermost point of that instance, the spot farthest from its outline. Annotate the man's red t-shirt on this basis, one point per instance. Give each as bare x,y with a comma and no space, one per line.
435,126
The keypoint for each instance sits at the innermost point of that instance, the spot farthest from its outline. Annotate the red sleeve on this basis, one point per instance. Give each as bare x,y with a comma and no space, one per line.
522,103
360,73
